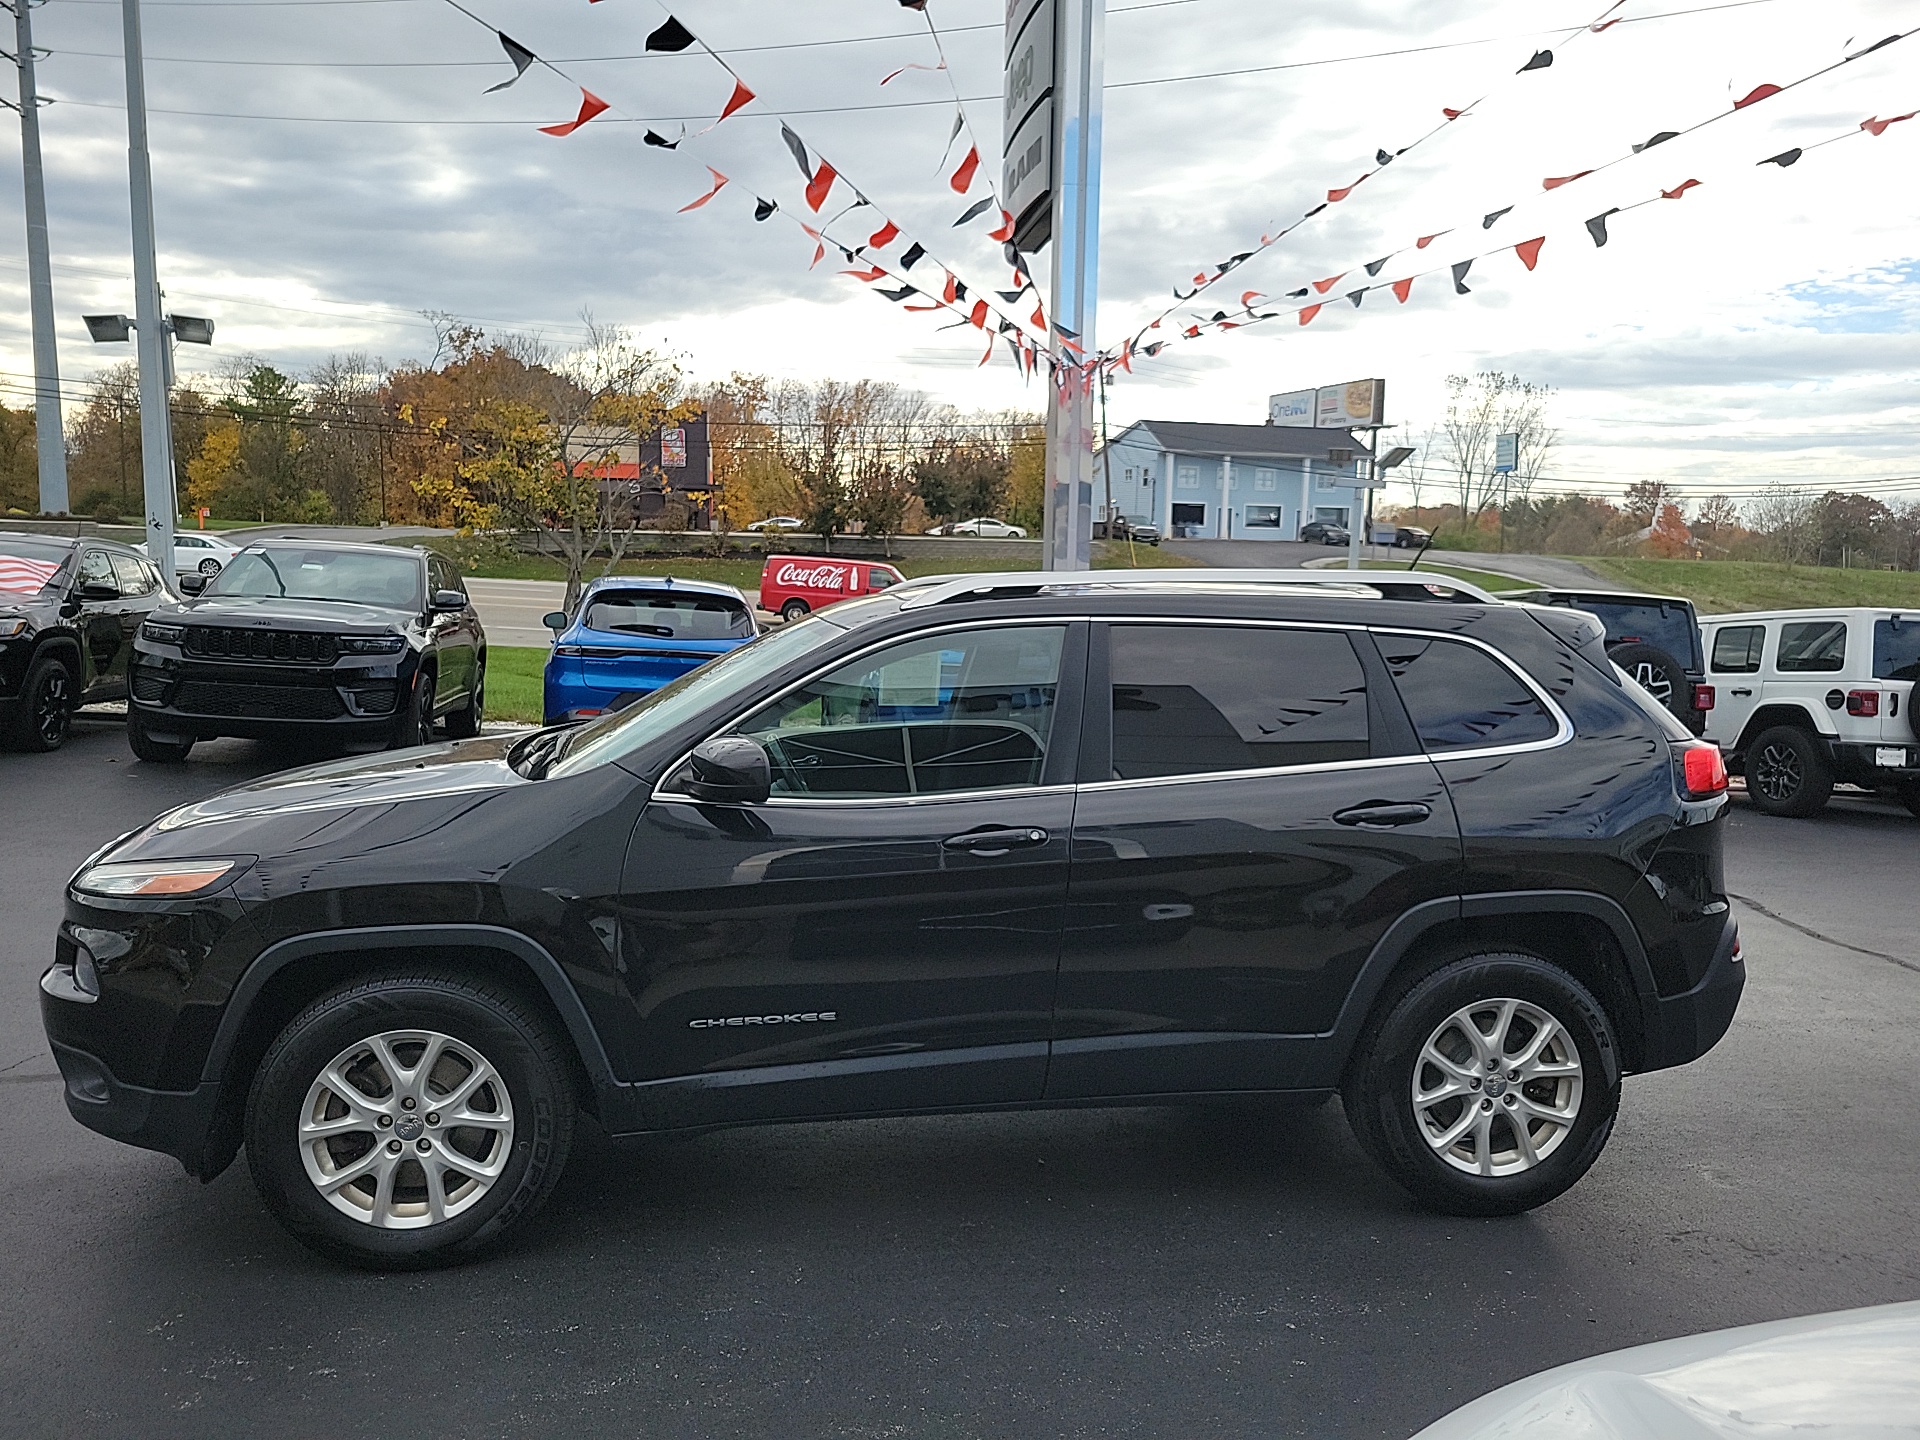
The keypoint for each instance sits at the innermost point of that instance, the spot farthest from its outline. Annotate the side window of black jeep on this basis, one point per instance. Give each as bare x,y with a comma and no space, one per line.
1461,698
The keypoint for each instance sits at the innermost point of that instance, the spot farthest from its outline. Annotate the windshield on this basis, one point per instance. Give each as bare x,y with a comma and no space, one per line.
27,568
622,733
354,576
1648,622
1896,649
671,615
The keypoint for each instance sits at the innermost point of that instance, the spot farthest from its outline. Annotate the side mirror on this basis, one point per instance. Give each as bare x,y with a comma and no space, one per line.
555,620
449,600
730,769
192,583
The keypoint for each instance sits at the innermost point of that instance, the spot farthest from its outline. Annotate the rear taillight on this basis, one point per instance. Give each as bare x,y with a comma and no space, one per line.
1703,697
1703,774
1863,702
585,713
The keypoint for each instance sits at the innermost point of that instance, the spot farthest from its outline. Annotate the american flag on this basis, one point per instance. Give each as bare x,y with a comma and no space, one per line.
25,577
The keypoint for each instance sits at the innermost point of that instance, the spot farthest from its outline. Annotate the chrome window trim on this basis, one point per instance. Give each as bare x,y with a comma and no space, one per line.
1563,735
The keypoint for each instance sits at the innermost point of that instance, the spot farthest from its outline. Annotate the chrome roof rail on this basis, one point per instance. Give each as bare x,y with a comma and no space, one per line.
1369,584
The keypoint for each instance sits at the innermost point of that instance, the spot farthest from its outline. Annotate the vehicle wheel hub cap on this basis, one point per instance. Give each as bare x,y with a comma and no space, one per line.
1497,1087
406,1129
1778,772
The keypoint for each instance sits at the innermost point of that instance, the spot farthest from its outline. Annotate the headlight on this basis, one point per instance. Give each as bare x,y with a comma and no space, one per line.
166,634
12,625
172,878
372,644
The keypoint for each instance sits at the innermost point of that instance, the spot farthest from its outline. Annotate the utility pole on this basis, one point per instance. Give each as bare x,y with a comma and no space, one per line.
49,433
152,333
1080,79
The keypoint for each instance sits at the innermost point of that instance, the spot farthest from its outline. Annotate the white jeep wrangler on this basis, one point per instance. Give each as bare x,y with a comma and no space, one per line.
1810,698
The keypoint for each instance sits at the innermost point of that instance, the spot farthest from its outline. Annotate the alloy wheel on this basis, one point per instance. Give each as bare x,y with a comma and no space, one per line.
53,708
1654,681
1777,772
1497,1087
406,1129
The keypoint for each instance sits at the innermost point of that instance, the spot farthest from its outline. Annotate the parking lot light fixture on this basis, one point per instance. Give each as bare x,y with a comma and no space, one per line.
109,329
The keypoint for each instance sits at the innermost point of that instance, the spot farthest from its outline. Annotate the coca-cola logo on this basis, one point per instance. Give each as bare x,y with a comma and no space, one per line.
812,577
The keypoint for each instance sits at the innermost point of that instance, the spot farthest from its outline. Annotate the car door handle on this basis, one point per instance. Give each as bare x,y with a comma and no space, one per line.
996,842
1740,692
1384,813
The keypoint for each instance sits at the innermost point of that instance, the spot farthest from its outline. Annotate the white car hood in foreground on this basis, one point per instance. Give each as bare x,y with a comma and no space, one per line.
1850,1375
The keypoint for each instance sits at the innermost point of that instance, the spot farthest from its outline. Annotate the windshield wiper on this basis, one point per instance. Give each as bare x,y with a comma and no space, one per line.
537,755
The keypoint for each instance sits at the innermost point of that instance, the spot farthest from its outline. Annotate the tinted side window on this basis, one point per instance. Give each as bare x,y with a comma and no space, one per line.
947,713
1736,649
1817,646
131,576
1193,699
1461,698
1896,649
96,568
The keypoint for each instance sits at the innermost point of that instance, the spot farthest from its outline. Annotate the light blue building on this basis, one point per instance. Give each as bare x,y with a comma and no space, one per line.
1242,482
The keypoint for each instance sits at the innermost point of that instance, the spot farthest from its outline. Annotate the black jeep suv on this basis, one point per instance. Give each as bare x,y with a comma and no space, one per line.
1654,638
69,609
362,646
990,842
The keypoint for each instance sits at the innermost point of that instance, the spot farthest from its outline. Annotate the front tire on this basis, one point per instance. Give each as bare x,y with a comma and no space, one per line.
465,723
45,717
795,610
414,725
154,752
1488,1087
1788,773
409,1120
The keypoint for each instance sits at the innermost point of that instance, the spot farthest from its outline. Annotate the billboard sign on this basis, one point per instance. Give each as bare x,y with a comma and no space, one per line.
1293,408
673,449
1506,454
1026,120
1358,403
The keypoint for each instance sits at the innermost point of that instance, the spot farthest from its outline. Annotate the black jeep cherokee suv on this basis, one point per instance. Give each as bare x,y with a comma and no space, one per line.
69,609
983,843
364,646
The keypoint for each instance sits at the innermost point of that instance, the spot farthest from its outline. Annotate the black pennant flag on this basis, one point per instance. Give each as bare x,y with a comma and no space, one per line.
1460,277
960,290
1381,157
1299,294
1597,226
654,137
763,209
1540,61
1012,297
974,211
1375,266
912,255
898,295
1315,210
1660,139
518,54
1356,296
799,151
1154,349
1783,159
1487,224
672,37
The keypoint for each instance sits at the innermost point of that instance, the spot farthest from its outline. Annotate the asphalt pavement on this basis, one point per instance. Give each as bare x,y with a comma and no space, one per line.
1164,1272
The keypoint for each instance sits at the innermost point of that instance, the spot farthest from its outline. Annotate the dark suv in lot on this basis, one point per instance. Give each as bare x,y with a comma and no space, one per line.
69,610
1654,638
988,842
360,646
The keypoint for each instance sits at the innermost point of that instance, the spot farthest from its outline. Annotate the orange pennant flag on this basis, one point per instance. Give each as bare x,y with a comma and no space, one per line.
1327,284
1678,190
719,184
962,180
1529,251
1306,315
740,98
1402,289
590,106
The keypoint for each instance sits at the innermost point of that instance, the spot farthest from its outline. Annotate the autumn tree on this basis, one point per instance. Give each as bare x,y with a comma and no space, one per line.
19,462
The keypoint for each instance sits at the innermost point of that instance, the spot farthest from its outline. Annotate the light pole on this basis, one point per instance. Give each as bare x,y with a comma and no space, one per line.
156,373
49,434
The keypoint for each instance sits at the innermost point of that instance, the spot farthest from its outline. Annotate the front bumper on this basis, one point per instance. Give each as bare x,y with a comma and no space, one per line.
1682,1028
174,1122
354,698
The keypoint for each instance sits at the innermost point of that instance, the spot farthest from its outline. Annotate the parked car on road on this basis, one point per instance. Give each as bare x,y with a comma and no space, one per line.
796,585
1324,532
362,646
1654,638
985,527
1411,537
69,609
778,523
983,842
631,636
197,554
1142,533
1815,698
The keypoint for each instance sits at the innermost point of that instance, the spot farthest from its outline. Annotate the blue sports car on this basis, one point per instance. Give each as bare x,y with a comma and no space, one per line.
634,634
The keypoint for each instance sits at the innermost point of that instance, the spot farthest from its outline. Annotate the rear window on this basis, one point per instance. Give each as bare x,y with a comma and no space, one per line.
1461,698
669,615
1812,646
27,568
1646,622
1896,649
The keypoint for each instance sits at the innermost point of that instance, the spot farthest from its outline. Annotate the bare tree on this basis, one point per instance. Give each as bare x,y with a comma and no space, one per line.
1480,408
1789,519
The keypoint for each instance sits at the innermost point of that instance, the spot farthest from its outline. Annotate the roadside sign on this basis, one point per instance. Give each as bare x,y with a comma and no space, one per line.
1356,403
204,512
1027,122
1506,454
1293,408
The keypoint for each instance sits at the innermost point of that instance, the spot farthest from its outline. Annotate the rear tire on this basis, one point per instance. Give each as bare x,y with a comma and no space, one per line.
794,610
1488,1087
465,723
1788,772
45,717
432,1191
154,752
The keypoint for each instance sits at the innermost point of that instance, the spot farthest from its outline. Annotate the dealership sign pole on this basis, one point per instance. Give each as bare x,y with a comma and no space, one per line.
1050,157
156,428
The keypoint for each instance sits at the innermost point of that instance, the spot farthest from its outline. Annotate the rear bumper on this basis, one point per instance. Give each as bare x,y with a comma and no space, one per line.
1682,1028
1858,763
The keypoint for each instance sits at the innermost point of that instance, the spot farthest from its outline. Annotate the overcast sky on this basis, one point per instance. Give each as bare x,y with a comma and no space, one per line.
1764,328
